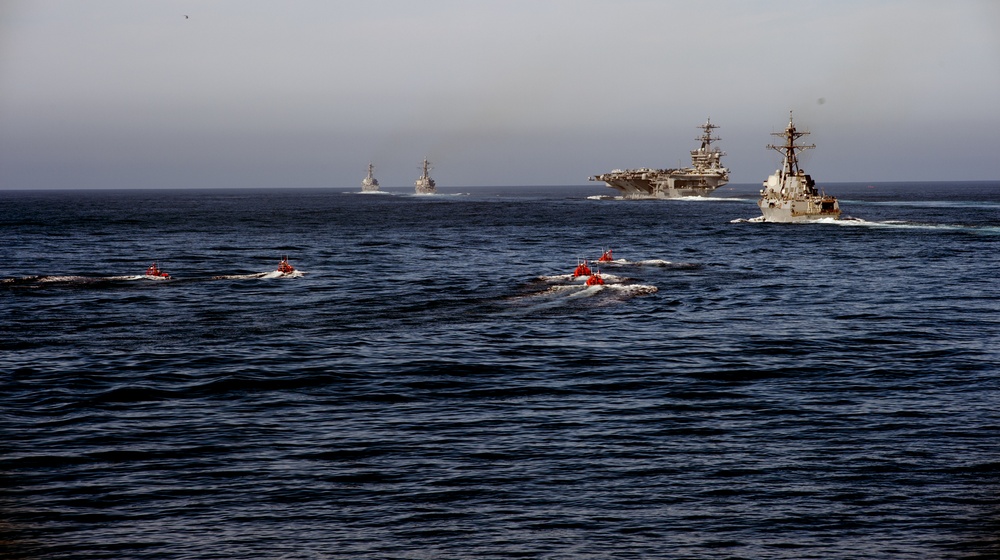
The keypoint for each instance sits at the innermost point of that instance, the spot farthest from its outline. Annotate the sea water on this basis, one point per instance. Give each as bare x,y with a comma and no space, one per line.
436,384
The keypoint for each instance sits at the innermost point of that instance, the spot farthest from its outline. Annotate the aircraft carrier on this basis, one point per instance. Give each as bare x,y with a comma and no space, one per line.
704,176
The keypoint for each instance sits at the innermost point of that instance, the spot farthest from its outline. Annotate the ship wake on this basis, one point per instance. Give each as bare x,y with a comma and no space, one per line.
903,224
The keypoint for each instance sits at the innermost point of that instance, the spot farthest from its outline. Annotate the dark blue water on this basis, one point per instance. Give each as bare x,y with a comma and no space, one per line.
434,386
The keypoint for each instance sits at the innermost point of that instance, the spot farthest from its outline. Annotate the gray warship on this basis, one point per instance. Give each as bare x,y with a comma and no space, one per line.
424,184
704,176
790,195
370,183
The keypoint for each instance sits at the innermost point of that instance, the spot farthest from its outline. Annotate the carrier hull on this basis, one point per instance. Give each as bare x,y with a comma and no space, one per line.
662,183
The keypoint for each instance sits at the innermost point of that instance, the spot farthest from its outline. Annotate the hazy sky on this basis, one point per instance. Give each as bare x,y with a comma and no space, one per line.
253,93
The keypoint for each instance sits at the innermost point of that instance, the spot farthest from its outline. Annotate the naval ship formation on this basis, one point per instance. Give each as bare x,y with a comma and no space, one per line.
423,185
704,176
790,195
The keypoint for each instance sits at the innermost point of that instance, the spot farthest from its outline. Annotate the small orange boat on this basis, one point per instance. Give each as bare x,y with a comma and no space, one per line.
581,270
154,270
606,257
595,280
284,267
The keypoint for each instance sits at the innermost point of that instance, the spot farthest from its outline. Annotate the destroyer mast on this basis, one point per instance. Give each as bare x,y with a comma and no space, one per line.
790,195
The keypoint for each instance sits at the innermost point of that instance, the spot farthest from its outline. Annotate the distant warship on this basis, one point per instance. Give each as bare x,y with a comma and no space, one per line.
704,176
369,183
790,195
425,185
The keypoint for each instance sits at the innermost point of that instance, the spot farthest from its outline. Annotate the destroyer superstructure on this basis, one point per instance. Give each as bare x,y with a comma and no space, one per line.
790,195
370,183
704,176
424,184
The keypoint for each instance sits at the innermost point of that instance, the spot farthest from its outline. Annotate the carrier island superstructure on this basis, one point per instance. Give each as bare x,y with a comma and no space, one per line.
790,195
704,176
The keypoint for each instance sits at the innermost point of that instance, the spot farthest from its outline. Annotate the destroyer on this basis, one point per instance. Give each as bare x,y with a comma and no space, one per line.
790,195
425,185
369,183
704,176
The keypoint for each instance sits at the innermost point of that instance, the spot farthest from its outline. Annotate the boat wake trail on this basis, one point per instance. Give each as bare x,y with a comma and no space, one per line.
279,274
606,293
663,264
73,280
108,281
253,276
553,291
581,279
257,275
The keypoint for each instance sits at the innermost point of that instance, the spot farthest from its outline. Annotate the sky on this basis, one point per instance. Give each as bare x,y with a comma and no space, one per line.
305,93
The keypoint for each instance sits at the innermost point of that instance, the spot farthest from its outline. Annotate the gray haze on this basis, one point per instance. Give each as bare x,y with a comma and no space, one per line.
252,93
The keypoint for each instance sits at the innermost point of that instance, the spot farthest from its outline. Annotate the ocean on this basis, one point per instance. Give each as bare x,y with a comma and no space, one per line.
433,383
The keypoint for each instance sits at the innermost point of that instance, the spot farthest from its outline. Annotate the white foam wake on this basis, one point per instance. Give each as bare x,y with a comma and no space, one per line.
902,224
279,274
256,275
571,278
